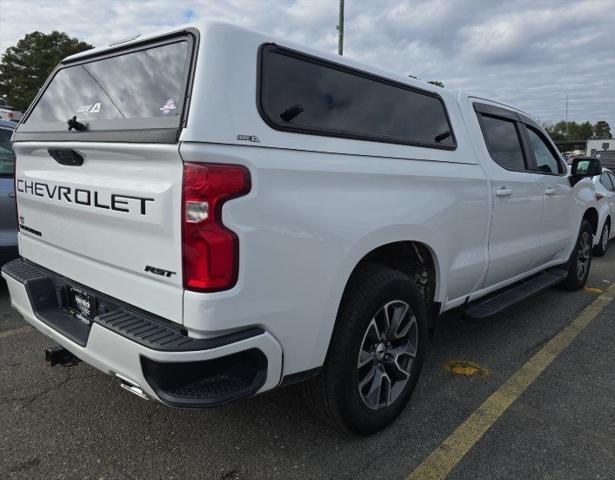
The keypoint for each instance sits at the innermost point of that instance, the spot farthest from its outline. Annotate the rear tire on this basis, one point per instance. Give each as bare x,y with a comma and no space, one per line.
580,261
376,353
600,249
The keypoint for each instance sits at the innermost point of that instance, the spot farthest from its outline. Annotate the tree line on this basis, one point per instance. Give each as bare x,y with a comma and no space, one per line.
572,131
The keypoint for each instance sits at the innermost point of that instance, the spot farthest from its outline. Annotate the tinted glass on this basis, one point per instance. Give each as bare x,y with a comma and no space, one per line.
612,178
503,143
606,181
141,84
545,160
7,157
299,94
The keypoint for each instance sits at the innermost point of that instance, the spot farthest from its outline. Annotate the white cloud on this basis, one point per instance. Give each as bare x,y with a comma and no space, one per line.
527,52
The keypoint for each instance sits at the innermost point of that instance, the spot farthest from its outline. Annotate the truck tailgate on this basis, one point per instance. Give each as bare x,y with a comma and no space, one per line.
111,223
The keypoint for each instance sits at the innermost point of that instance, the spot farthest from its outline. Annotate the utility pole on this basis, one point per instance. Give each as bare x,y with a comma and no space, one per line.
340,30
567,117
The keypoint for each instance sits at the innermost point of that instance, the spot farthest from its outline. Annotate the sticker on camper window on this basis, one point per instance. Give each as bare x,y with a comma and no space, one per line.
87,112
92,108
168,106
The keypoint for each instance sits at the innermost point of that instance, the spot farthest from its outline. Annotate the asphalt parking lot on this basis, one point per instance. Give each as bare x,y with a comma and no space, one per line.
76,423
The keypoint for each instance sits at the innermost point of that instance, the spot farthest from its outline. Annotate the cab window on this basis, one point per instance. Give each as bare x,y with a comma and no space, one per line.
503,142
546,161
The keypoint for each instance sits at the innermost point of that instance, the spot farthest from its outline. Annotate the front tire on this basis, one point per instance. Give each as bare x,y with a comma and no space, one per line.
580,261
600,249
376,353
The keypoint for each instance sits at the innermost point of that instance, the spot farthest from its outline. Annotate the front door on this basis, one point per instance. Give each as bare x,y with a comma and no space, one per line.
559,230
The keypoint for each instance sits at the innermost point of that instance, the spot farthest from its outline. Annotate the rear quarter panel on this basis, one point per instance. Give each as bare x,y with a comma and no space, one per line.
311,217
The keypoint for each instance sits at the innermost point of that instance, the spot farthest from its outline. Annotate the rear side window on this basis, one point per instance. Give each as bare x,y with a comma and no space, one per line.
503,142
309,95
7,157
135,89
545,159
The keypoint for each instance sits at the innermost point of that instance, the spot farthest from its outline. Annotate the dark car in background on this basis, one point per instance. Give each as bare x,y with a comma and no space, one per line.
8,217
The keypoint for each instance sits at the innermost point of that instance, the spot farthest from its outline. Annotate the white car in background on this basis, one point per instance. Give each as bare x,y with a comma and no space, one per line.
605,194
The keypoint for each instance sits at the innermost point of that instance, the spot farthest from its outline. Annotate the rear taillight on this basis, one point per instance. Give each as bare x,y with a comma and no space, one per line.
210,250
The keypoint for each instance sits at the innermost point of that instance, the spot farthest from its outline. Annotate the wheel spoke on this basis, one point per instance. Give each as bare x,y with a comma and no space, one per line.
406,329
373,394
405,349
399,311
373,333
369,377
387,320
365,357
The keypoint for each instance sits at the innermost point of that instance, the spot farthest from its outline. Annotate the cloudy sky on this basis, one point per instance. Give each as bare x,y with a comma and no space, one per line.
531,53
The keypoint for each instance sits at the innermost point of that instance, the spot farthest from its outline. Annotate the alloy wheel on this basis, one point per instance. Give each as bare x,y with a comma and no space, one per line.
387,353
583,254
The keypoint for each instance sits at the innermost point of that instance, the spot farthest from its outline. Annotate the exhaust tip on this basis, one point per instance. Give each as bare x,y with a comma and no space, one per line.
131,387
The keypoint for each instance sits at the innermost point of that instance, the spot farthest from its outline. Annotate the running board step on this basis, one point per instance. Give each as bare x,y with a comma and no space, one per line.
495,303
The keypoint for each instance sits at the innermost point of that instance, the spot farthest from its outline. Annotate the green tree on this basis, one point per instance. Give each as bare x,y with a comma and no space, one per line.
557,131
25,66
602,129
562,131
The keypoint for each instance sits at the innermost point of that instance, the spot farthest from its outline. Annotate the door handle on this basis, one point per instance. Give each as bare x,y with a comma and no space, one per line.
11,195
503,192
550,191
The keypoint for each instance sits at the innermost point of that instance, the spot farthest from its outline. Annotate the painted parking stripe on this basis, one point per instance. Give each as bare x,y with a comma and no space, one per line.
16,331
452,450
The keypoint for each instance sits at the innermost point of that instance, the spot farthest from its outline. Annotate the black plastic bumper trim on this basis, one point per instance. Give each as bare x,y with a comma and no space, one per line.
46,293
207,383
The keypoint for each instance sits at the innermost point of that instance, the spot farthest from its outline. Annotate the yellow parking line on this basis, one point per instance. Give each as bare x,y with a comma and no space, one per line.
593,290
16,331
450,452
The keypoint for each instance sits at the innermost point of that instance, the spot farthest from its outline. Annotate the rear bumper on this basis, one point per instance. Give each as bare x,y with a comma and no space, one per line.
145,351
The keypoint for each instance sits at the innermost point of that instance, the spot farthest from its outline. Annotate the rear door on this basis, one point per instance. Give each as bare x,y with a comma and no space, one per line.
8,221
100,202
517,199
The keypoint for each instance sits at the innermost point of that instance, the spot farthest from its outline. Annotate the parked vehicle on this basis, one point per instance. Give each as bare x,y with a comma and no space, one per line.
605,193
228,212
8,217
607,158
9,113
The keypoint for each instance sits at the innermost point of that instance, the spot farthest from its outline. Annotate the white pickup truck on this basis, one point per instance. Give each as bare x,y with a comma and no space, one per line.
212,212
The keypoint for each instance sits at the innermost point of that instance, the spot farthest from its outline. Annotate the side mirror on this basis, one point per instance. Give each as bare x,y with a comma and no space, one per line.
585,167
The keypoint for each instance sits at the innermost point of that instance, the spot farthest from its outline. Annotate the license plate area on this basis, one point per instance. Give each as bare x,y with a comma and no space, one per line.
81,303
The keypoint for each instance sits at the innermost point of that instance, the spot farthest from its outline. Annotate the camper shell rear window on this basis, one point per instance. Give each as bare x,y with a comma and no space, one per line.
137,94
